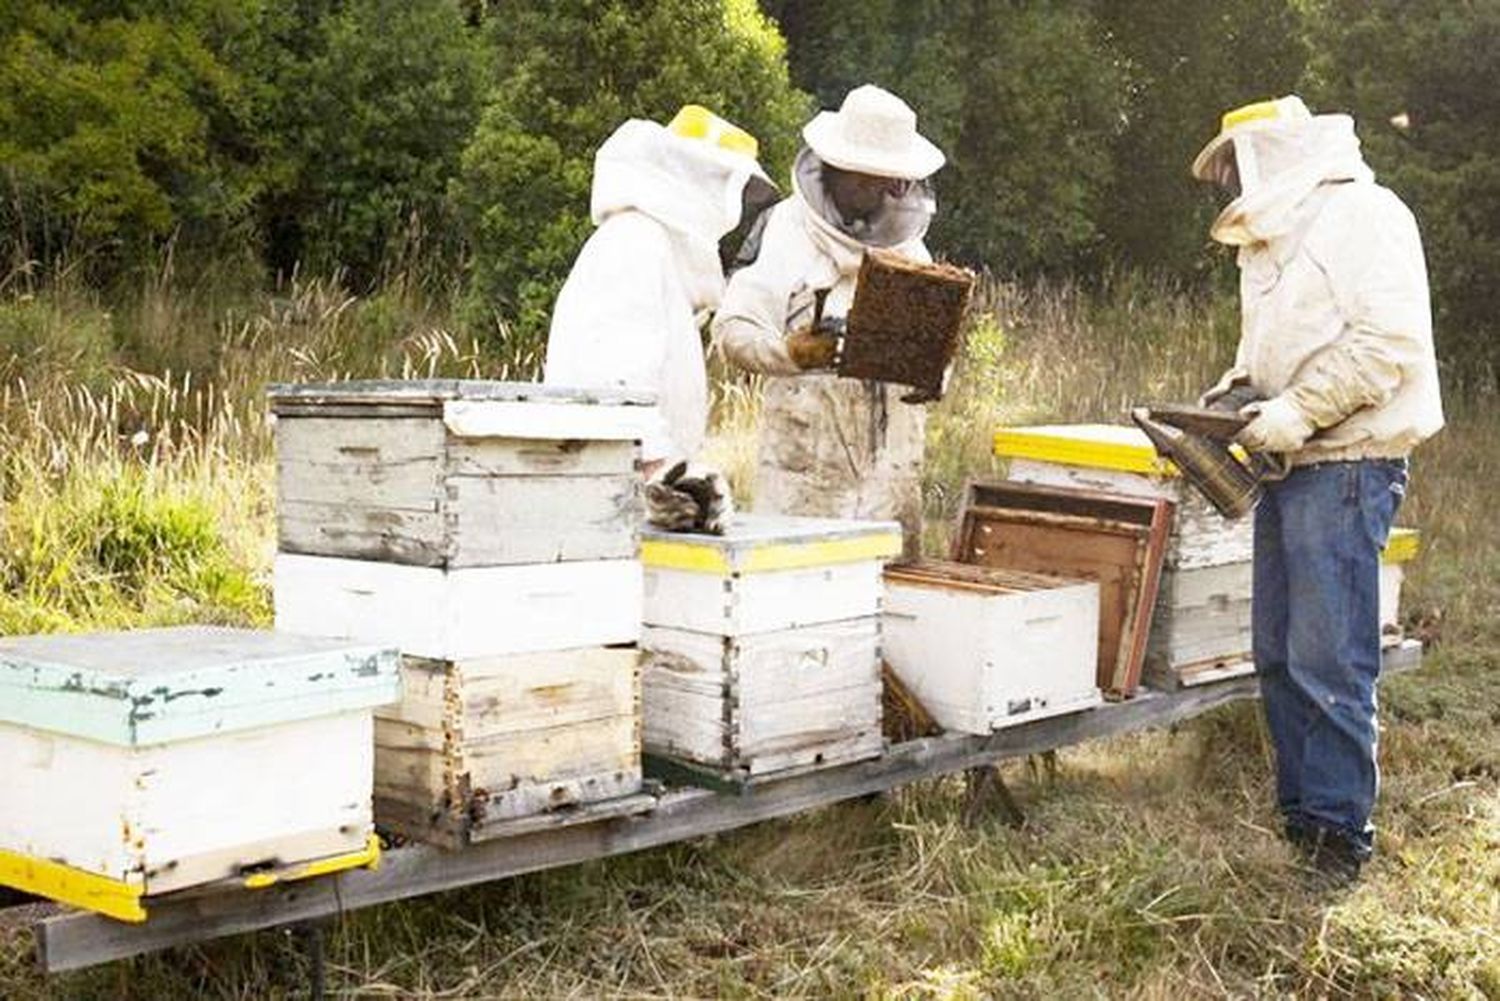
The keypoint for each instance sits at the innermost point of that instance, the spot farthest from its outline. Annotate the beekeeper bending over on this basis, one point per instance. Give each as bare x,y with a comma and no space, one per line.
641,289
830,446
1336,334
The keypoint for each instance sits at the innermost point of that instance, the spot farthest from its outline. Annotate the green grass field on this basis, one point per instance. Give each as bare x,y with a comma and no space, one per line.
1148,866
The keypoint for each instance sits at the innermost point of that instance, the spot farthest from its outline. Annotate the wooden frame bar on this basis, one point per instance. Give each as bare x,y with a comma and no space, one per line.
70,940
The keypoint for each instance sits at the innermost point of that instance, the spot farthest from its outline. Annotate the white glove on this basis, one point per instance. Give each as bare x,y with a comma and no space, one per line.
1276,426
1229,380
679,502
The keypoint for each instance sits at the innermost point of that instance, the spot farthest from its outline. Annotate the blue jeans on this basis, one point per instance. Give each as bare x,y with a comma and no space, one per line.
1316,624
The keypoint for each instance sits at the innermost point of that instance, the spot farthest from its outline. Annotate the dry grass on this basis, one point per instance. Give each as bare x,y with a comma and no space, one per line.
1148,868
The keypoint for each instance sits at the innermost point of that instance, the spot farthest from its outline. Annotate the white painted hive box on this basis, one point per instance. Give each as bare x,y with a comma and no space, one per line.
469,612
476,743
458,473
1400,549
766,702
982,648
147,761
1202,617
766,573
1117,459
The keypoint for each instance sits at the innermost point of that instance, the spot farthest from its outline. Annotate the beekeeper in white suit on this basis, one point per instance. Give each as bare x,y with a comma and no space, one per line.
1336,335
831,446
630,312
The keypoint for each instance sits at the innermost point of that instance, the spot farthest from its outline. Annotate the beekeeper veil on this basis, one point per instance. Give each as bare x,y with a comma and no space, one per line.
1271,156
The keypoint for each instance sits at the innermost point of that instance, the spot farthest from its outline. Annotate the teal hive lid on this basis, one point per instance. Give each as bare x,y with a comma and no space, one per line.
154,686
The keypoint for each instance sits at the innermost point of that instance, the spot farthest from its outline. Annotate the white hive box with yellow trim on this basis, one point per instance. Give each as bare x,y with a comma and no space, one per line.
138,763
983,648
1117,459
1400,549
763,645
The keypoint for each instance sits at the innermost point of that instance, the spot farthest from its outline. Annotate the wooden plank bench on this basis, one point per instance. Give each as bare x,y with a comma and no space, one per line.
70,940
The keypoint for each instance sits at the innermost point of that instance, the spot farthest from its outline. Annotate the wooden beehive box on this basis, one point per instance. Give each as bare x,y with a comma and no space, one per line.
444,614
1114,539
906,322
139,763
492,746
766,573
763,704
1121,460
1201,630
458,473
1400,549
762,645
984,648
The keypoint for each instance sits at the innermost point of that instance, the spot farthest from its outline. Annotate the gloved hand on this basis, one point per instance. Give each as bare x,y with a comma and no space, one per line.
1230,380
677,502
1276,426
815,346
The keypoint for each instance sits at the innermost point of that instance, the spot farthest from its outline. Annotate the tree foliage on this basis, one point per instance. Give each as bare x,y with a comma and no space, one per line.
569,75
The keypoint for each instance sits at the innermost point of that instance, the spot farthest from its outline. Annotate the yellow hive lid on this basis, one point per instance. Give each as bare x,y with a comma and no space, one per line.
1402,546
1094,446
758,543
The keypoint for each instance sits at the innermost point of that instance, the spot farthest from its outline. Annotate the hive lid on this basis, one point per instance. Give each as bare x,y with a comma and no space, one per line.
478,408
1095,446
153,686
1402,546
759,543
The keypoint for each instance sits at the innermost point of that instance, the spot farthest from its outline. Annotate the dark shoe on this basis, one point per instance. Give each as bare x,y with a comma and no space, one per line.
1299,834
1333,860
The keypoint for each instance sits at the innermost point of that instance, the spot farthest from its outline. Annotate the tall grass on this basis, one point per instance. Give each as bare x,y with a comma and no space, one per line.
1148,866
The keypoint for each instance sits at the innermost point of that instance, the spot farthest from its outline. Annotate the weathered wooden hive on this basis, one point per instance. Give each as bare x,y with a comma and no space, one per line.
1201,625
763,645
490,530
983,648
143,762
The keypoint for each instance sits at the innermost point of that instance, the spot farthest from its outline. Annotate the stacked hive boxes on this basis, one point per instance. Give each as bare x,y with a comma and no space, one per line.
1201,624
490,530
983,648
763,646
139,763
1400,550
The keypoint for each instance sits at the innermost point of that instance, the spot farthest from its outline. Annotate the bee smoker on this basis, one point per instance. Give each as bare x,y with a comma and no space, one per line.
1198,439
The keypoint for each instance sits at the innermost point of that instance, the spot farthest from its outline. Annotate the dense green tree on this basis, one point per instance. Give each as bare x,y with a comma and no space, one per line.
1022,96
374,101
1183,63
1423,82
121,126
568,76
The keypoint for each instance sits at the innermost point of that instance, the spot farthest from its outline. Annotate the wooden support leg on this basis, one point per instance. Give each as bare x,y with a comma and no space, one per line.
986,792
309,935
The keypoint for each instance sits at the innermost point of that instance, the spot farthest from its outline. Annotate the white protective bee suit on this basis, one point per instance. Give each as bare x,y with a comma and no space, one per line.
1336,328
830,446
630,312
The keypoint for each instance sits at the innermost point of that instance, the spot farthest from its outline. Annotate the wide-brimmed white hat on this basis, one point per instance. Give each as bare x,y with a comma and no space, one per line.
873,132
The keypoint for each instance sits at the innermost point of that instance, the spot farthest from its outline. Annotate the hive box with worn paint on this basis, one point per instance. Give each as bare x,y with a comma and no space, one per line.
1201,629
1400,549
478,745
984,648
143,762
1117,459
762,646
761,704
458,473
766,573
444,614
